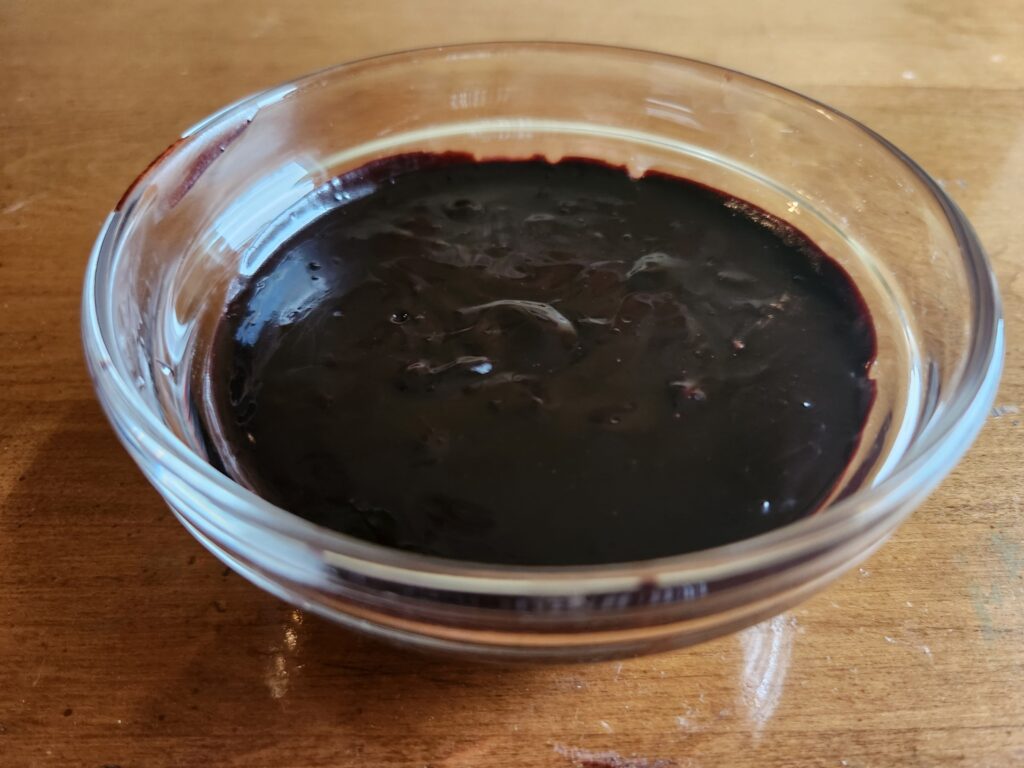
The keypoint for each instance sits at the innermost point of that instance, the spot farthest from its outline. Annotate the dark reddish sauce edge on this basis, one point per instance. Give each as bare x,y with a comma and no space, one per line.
198,167
135,182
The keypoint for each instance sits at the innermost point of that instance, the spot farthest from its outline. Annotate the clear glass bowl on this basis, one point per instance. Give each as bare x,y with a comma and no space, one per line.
217,201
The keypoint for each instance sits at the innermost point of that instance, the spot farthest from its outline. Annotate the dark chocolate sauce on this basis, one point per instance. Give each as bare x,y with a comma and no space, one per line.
546,364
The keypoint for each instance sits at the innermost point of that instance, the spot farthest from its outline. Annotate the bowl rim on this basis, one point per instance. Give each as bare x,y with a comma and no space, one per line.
929,457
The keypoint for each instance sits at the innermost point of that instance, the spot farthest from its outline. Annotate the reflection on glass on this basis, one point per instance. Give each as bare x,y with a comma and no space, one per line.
766,651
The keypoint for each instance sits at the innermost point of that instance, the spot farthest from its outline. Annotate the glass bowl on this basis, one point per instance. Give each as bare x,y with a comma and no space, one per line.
210,208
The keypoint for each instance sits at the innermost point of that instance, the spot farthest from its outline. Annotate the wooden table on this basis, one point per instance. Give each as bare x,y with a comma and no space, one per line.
122,643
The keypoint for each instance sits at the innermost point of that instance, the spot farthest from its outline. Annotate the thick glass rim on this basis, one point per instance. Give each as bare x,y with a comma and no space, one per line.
938,444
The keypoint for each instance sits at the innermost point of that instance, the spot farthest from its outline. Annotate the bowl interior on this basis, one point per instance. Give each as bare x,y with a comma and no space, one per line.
213,207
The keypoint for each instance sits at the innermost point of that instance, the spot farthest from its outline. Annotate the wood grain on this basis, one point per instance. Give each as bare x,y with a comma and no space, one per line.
123,643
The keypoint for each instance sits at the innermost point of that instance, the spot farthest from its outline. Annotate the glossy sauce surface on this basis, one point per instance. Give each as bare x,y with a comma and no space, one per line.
535,363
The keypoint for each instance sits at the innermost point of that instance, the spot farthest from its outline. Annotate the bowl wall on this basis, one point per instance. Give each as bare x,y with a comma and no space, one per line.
218,201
